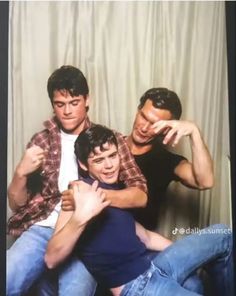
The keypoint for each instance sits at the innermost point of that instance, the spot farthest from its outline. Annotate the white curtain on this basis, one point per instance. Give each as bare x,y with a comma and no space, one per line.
125,48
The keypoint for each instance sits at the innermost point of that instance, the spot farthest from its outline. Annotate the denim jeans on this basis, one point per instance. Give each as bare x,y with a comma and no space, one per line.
25,264
212,246
191,283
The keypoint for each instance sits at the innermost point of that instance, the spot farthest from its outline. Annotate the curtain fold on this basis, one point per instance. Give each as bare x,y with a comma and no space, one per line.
125,48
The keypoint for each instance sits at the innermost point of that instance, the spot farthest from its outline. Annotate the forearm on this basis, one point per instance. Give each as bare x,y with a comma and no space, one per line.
157,242
131,197
63,241
17,190
152,240
201,161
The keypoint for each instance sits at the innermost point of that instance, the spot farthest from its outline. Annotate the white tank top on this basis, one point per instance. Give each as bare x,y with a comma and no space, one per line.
68,172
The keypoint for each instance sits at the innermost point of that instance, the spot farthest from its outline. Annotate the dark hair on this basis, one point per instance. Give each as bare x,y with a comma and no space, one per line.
69,79
95,136
163,98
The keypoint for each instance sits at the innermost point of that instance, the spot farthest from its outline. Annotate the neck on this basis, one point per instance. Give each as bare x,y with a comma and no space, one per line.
137,149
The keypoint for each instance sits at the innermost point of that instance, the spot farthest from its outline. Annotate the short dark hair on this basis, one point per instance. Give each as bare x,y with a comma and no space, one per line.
95,136
163,98
67,78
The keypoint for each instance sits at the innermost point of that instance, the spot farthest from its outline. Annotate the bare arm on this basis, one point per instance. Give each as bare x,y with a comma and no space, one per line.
68,229
89,202
124,198
127,198
152,240
30,162
198,174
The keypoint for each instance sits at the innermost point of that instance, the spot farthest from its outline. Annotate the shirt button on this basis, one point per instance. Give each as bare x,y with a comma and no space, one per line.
55,152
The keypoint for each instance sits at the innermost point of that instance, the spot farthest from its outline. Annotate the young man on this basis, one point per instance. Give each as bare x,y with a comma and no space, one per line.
44,171
157,125
113,247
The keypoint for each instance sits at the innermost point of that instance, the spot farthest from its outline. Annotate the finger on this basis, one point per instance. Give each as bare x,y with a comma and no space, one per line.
41,157
67,208
67,192
176,139
45,152
103,196
106,203
99,191
76,182
65,198
161,128
95,185
75,189
169,136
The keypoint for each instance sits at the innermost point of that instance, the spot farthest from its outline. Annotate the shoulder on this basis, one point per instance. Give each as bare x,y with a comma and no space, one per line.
121,139
43,137
40,139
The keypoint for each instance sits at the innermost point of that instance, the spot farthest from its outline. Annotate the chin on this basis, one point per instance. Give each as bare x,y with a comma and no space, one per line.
69,129
109,181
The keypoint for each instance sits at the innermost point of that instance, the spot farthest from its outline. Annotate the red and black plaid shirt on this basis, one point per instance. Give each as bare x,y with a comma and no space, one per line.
42,185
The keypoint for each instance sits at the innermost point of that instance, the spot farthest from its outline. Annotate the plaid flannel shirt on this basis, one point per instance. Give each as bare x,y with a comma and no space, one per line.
42,185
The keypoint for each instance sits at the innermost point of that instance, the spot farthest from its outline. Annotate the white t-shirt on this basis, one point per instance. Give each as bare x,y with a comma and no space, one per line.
68,172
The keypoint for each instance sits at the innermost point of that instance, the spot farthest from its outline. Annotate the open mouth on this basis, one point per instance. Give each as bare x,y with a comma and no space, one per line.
109,175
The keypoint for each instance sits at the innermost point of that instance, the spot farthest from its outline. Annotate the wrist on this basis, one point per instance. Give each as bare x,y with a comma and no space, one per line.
78,220
20,172
195,135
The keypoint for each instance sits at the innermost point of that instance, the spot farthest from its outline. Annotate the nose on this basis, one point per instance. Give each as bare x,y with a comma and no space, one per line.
107,163
145,127
67,109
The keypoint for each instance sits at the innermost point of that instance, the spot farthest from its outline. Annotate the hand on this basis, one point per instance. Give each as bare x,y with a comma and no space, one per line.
68,203
32,159
89,201
173,130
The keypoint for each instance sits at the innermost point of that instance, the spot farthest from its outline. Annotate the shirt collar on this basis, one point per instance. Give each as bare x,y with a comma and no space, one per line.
53,124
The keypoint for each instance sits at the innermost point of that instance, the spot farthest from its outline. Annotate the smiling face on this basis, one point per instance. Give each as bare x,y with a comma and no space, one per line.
70,111
104,165
142,132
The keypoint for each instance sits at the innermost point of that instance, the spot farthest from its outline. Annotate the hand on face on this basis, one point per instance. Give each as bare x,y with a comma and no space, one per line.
89,201
32,159
173,130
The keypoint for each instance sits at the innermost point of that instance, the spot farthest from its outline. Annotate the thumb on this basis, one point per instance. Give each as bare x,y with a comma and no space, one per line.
75,191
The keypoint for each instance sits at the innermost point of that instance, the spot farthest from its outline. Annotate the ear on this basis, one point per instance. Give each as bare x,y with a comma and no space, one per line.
83,166
87,100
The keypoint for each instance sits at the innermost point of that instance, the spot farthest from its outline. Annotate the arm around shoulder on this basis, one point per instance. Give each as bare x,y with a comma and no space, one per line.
135,193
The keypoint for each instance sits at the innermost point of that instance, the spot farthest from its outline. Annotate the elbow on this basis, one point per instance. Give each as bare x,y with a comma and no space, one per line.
143,202
12,200
206,183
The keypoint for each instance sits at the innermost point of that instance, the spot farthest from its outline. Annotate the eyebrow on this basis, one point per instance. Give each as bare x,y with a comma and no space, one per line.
144,115
101,157
74,100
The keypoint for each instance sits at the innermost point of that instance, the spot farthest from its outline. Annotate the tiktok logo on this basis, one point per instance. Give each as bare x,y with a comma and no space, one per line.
175,231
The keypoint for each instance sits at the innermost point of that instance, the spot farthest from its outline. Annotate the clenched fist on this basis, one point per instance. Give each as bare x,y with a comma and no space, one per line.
32,159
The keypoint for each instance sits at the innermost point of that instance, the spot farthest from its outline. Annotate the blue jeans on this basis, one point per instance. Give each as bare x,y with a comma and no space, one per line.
191,283
212,247
25,264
